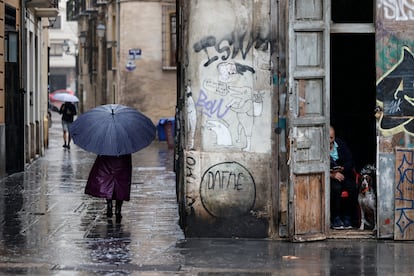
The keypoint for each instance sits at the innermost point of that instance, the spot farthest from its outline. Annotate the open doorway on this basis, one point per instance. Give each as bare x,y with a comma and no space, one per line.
353,100
353,93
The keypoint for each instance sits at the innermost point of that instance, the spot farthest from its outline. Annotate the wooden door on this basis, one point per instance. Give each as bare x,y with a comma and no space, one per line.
404,194
14,107
308,88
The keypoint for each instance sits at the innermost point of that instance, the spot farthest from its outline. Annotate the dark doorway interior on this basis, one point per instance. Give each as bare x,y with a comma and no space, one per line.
353,93
352,11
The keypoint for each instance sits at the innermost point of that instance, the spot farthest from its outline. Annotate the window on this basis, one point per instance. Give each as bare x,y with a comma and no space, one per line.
10,18
58,23
169,37
56,49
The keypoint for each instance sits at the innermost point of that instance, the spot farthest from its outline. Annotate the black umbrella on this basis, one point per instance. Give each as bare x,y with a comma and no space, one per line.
112,129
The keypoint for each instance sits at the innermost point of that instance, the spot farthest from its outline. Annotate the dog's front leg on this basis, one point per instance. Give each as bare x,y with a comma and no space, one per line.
362,226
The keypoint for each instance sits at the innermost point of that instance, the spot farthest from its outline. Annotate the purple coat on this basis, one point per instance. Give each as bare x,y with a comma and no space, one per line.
110,177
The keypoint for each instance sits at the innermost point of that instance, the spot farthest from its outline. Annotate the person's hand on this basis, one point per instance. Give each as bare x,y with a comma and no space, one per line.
337,175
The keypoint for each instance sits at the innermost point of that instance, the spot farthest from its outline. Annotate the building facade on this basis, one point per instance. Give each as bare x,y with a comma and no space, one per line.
126,55
23,82
63,37
260,83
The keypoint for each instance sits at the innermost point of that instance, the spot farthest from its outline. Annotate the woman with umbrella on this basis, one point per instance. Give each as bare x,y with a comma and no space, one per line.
113,132
110,178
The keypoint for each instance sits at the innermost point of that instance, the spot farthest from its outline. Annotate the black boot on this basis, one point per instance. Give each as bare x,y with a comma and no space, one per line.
109,208
118,208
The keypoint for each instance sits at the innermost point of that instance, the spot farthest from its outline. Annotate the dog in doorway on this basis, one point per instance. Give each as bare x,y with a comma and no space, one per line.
367,198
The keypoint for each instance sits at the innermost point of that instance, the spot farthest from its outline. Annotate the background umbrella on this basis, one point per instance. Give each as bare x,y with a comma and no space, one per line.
65,97
113,130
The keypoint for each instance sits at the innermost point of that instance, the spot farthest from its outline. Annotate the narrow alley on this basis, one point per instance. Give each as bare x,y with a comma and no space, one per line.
50,227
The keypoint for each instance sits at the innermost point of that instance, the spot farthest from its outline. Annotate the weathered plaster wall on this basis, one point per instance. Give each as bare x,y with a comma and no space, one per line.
228,118
149,88
395,114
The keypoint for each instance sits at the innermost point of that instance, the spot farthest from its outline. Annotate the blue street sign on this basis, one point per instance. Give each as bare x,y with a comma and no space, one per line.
135,53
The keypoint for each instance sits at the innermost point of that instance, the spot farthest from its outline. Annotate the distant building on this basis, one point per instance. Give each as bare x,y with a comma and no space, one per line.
63,53
127,54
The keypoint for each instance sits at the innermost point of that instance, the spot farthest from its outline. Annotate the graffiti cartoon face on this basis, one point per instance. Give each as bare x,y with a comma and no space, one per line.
226,70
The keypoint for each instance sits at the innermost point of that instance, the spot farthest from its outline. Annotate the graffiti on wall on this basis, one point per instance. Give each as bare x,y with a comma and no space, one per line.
227,190
226,96
404,194
190,180
397,10
395,96
192,118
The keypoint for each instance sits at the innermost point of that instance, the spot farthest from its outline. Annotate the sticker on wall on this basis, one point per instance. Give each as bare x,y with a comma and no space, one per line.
130,65
227,190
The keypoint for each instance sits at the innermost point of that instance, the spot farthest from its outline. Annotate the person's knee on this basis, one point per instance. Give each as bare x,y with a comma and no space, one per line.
336,187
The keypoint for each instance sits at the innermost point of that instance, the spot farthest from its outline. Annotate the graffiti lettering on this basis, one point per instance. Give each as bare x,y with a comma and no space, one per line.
190,163
394,107
398,10
224,180
227,190
211,107
203,45
231,46
404,200
190,181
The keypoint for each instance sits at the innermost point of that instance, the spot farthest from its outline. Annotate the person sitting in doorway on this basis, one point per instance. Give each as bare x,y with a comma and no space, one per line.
343,185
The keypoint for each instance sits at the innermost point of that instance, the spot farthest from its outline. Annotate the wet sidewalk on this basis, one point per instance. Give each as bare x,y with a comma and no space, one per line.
50,227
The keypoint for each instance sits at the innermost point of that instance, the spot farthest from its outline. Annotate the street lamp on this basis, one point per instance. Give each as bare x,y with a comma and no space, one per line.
100,30
82,37
65,46
52,21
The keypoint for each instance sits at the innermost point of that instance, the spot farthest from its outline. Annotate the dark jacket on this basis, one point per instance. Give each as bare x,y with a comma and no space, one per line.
344,159
110,177
68,111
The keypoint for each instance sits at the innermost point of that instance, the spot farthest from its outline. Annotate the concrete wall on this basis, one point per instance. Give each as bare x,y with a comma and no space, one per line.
228,119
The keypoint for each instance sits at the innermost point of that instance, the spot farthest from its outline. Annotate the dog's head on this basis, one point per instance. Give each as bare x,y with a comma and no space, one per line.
366,183
367,178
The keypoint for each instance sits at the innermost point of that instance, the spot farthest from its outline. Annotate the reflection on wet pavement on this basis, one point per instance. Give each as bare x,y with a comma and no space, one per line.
50,227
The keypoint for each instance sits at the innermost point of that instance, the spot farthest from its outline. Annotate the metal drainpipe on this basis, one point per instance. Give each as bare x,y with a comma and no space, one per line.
118,58
23,69
23,49
118,41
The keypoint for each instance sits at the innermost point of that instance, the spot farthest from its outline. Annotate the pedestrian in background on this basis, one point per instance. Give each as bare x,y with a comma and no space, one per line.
68,111
110,178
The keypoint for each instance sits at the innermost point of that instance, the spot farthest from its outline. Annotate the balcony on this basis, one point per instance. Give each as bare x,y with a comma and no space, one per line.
76,8
46,12
43,4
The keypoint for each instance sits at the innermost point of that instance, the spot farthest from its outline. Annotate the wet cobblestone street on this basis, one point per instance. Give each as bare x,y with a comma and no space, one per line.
50,227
